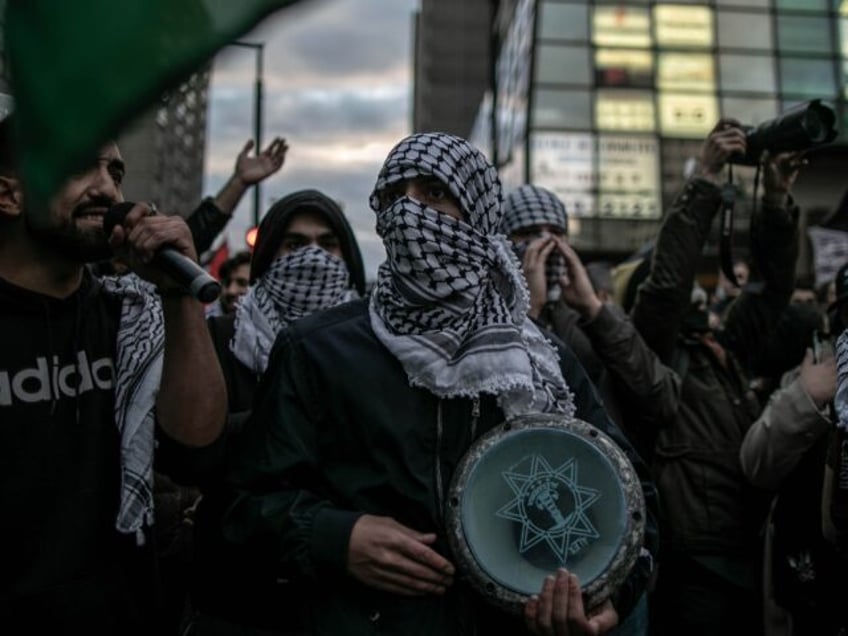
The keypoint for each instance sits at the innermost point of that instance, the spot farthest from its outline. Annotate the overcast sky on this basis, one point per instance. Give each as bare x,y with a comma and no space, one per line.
337,86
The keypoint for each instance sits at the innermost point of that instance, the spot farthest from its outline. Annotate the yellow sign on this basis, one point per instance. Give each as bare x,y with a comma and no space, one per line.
621,26
687,115
678,25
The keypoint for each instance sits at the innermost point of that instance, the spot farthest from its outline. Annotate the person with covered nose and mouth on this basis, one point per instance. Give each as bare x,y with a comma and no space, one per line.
367,408
306,260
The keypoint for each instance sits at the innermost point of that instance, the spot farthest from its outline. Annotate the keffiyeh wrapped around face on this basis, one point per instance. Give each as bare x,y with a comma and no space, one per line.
533,207
294,286
450,301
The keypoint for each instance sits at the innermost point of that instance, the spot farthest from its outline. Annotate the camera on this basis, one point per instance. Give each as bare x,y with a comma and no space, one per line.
804,126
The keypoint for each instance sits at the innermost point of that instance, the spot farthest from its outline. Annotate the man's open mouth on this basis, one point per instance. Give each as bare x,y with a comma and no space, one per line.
91,213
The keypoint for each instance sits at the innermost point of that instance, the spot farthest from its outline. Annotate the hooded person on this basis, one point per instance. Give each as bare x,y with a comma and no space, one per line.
366,410
306,260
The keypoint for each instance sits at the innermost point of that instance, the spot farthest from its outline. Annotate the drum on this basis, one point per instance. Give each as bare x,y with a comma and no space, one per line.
540,492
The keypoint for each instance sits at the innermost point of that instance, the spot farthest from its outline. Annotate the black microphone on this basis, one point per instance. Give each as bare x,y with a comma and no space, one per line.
184,271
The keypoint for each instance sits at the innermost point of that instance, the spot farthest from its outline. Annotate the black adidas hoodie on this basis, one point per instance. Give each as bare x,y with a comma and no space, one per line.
65,568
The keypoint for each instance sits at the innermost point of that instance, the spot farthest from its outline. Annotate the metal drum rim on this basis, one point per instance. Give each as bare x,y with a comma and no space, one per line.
624,558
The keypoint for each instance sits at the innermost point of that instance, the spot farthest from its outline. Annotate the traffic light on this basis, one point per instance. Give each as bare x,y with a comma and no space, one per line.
250,237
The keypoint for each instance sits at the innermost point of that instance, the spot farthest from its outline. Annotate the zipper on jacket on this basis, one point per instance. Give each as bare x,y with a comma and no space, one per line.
475,415
440,494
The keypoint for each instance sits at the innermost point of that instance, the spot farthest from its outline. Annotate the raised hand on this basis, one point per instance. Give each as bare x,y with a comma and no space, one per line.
252,170
142,233
533,266
779,173
576,287
726,138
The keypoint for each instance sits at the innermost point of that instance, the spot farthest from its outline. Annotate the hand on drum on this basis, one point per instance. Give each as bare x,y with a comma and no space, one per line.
387,555
558,610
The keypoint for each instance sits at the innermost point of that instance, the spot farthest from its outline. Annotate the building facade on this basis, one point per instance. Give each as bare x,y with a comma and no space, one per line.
164,148
451,57
607,103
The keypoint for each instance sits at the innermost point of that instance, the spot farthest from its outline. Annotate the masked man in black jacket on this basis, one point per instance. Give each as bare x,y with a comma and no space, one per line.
366,410
306,259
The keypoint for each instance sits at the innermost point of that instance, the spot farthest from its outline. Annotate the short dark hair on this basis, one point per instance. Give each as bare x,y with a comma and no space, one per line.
231,264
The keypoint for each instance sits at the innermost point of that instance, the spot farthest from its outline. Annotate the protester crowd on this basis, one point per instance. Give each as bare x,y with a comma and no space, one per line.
276,462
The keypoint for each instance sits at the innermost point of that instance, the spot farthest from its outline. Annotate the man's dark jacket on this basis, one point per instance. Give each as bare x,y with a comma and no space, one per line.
336,432
708,505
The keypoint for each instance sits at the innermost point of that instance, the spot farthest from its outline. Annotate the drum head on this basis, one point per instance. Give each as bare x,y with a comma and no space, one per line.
542,492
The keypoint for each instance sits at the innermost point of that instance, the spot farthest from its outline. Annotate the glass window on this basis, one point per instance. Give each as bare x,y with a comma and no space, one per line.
685,72
628,177
562,64
749,112
564,21
683,26
804,5
621,25
804,34
765,4
624,110
745,30
624,67
749,73
561,109
564,163
807,77
687,115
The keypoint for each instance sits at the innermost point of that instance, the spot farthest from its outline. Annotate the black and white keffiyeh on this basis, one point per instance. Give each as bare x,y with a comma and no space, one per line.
295,285
138,371
450,301
840,400
531,206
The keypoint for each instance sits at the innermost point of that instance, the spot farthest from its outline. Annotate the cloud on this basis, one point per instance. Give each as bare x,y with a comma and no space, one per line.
340,41
337,86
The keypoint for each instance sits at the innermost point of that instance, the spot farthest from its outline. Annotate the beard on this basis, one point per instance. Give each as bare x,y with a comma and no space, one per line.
79,244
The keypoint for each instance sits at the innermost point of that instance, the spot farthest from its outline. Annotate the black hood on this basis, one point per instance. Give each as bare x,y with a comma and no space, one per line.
277,219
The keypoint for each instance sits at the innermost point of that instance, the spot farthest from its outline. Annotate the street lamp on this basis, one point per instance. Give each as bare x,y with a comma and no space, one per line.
258,47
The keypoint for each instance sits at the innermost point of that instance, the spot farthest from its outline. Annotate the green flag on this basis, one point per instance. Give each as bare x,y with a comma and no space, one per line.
82,69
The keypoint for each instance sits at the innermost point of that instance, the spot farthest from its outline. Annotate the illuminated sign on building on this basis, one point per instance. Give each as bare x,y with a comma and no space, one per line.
624,67
564,164
677,25
628,177
687,115
625,110
609,175
621,26
685,72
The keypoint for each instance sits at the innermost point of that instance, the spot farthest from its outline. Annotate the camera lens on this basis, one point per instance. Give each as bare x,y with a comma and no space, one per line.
814,126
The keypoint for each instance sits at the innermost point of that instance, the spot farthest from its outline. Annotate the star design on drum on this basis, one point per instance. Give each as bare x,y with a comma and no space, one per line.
554,496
